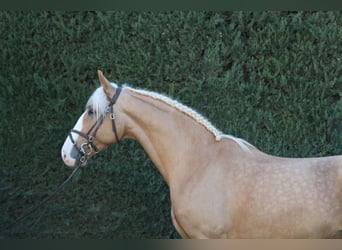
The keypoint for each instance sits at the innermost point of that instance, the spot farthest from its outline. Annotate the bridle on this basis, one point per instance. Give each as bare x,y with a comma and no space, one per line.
84,151
88,147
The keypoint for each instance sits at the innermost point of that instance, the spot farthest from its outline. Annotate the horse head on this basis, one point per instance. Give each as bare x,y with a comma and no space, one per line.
97,127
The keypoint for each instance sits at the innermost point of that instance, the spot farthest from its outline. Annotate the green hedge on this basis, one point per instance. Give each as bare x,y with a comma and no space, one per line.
272,78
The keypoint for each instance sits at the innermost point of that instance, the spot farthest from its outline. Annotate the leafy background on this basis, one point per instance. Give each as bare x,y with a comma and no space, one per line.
272,78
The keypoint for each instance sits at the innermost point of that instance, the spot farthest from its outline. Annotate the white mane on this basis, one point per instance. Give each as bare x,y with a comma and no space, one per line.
99,101
193,114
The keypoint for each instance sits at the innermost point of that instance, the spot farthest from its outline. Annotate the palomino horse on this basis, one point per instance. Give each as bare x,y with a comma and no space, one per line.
220,186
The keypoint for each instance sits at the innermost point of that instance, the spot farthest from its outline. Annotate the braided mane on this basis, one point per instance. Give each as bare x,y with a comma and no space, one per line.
98,101
194,115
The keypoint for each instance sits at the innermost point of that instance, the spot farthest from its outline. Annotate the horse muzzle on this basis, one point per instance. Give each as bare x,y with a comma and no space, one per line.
69,153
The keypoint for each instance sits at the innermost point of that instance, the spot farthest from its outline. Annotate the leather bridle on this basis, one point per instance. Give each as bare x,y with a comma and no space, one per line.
88,147
84,151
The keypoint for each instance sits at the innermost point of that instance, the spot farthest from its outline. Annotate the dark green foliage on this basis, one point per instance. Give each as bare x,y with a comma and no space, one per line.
273,78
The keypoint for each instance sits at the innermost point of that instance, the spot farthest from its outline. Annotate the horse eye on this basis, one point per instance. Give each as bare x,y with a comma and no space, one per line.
91,112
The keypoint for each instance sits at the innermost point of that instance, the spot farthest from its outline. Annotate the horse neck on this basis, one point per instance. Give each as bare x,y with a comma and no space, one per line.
172,139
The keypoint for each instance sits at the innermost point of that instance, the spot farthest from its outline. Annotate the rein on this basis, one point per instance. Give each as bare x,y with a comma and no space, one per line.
46,199
84,151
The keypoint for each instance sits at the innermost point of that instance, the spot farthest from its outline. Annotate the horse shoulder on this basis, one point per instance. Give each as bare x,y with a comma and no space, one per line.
200,198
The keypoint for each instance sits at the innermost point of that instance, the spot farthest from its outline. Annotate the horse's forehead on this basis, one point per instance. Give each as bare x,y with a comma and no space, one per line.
97,99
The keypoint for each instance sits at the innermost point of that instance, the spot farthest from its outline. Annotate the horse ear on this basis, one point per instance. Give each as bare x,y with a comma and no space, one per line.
107,87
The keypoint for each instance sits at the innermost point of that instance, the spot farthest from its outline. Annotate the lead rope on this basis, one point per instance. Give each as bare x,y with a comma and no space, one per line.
45,200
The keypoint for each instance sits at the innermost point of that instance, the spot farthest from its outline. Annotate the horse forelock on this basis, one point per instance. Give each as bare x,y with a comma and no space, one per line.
98,100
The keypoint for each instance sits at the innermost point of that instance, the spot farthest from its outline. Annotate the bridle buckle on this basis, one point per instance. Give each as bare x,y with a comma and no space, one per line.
86,148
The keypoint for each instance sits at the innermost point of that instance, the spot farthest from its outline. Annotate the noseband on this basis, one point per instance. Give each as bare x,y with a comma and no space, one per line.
86,148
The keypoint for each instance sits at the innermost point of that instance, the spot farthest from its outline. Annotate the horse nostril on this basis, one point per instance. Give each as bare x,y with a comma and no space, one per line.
63,154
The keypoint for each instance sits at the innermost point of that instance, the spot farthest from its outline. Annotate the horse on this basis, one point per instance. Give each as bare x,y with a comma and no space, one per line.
220,186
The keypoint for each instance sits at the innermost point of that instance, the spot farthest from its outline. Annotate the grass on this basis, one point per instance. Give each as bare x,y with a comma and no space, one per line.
273,78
